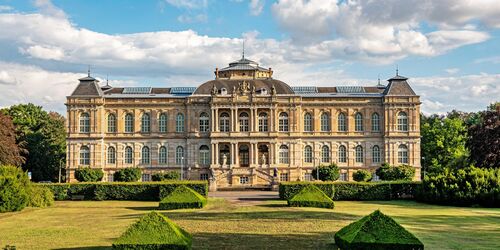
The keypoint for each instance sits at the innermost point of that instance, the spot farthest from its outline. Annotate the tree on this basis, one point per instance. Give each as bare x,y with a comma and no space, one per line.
362,175
484,140
89,174
127,174
10,152
327,173
395,173
13,189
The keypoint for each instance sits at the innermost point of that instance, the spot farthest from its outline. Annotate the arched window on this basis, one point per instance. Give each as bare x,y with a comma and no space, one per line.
129,155
204,155
111,123
162,123
263,122
342,154
84,155
358,122
85,123
283,122
179,155
359,153
403,154
204,122
243,122
179,123
111,155
129,123
145,123
376,154
402,121
308,122
342,126
375,122
162,153
325,122
283,154
224,122
325,154
145,155
308,154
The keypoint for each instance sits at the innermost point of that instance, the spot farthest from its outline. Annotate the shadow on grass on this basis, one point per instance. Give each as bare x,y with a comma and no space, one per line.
142,208
273,205
86,248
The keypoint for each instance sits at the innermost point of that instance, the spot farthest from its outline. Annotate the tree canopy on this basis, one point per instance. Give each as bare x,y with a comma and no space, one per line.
10,152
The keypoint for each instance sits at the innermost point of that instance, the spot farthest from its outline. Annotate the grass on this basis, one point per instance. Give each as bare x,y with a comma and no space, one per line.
224,225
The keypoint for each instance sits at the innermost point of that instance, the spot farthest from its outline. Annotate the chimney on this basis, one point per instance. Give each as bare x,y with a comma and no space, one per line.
270,72
216,73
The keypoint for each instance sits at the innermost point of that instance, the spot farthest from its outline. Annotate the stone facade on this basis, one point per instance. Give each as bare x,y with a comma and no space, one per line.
243,128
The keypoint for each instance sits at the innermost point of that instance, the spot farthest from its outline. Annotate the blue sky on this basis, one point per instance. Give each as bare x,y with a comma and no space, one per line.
448,48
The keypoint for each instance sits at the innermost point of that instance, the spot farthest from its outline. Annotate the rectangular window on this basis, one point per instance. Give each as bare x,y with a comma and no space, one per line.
244,180
203,177
308,177
344,177
110,177
263,124
284,177
244,125
146,177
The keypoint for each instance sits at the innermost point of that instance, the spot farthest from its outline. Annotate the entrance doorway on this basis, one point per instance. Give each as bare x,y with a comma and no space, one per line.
244,155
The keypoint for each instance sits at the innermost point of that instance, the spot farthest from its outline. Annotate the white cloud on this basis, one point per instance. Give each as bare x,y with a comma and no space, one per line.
200,18
188,4
452,71
493,59
46,7
5,8
256,7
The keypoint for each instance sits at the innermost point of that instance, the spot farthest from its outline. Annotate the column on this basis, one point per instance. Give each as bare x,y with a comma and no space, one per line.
271,125
216,122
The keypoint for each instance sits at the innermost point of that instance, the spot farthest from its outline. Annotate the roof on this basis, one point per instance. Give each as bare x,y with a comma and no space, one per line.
88,86
243,64
229,85
398,86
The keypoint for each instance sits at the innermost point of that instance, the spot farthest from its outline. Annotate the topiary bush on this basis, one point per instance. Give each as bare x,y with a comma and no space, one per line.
13,189
127,175
327,173
88,174
154,231
362,175
395,173
311,196
165,176
182,197
40,196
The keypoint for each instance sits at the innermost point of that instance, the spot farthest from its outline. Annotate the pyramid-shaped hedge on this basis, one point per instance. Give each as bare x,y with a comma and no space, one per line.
154,231
376,231
183,197
311,196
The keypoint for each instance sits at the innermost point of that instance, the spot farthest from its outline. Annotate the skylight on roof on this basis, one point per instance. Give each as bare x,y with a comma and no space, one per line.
182,90
136,90
305,89
350,89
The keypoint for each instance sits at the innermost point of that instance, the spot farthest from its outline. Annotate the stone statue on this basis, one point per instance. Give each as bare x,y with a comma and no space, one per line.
244,87
224,160
212,174
273,90
214,90
263,159
253,89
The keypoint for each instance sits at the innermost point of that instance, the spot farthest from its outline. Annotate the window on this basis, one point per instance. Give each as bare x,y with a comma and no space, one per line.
325,154
342,154
283,176
325,122
129,157
342,122
162,123
129,123
204,155
110,178
403,154
376,154
244,180
111,123
244,122
111,155
263,122
283,122
375,177
223,91
358,122
344,177
162,155
179,155
402,121
359,153
204,177
145,155
84,155
179,123
375,122
146,123
283,154
224,122
308,122
84,123
308,177
308,154
146,177
204,122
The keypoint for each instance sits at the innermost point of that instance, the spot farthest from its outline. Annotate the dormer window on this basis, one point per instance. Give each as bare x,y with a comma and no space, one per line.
223,91
263,91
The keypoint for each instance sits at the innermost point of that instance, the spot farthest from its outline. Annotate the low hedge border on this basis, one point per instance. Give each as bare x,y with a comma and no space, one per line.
139,191
355,190
311,196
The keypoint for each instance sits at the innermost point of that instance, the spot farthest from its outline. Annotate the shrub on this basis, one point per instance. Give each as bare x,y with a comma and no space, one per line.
395,173
154,231
88,174
165,176
40,196
362,175
183,197
327,173
13,189
376,231
128,175
311,196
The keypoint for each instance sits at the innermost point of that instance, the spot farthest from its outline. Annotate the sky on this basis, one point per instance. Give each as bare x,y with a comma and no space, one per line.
450,49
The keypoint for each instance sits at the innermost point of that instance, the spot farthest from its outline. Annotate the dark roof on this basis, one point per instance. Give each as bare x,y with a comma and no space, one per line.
398,86
243,64
398,77
88,86
206,88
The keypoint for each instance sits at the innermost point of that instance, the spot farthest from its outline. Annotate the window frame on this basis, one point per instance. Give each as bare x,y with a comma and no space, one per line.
204,122
359,154
145,155
84,121
308,154
263,122
402,121
308,122
375,122
403,154
162,123
204,155
284,154
111,123
129,155
129,123
358,122
342,154
376,154
342,122
224,122
179,123
325,122
163,155
179,155
283,122
244,122
111,155
84,156
325,154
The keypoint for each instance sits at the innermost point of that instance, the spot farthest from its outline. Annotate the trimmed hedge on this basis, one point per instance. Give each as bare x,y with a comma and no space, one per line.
13,189
362,175
311,196
154,231
354,190
40,196
88,174
166,176
140,191
128,174
182,197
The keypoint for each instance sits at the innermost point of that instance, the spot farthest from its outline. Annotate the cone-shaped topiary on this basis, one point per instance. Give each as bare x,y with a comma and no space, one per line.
376,231
154,231
311,196
182,197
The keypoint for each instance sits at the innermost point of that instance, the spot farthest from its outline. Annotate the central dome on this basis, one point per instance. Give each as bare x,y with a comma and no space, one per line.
260,85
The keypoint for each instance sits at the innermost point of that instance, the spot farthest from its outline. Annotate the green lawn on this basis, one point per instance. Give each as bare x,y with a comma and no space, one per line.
221,225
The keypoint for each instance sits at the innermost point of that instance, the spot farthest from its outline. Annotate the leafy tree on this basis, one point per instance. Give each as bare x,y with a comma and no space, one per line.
362,175
128,174
10,152
395,173
484,140
327,173
14,184
89,174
